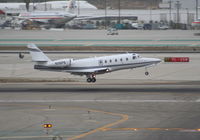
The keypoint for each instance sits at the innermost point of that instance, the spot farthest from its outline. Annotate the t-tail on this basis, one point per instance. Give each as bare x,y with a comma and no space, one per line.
37,55
71,6
43,62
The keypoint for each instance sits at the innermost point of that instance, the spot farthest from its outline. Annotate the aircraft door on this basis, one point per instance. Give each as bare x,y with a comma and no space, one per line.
100,62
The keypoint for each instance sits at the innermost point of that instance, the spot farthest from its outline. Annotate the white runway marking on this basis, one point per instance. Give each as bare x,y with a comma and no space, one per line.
198,100
101,101
26,137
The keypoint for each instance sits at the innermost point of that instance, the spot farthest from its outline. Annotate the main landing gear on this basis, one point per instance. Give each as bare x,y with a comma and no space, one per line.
146,72
91,78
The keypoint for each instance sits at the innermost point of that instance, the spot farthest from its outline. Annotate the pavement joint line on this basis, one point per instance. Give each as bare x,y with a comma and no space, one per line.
117,40
26,137
100,101
198,100
152,129
30,137
102,45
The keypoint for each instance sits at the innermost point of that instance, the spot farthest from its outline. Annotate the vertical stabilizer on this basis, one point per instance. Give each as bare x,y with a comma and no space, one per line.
71,6
36,54
2,12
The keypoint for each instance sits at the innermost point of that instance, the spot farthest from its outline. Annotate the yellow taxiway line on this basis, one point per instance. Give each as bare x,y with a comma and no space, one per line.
102,128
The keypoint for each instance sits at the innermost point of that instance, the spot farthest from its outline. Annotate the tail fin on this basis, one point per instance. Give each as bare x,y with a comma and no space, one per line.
71,6
36,54
2,12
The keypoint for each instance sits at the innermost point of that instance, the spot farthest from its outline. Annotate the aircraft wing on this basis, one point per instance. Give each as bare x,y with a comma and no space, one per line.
90,70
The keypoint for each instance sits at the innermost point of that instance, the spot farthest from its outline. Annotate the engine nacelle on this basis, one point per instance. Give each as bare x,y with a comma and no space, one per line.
60,63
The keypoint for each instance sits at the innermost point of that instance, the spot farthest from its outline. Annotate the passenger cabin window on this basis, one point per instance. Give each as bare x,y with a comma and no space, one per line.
110,61
115,60
126,59
133,57
105,61
121,59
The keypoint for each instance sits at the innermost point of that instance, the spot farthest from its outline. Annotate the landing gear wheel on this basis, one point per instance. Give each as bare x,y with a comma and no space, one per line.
93,80
89,80
147,73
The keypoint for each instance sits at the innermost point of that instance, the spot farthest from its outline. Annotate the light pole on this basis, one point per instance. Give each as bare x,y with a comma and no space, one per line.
150,12
178,5
33,5
45,5
105,6
119,8
170,11
197,13
78,7
187,16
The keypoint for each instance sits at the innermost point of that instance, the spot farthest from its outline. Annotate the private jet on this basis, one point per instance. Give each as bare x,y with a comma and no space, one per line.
90,67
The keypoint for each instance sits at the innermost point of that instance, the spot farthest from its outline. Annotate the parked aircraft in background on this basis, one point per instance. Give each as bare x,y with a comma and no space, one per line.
196,23
2,12
90,67
58,18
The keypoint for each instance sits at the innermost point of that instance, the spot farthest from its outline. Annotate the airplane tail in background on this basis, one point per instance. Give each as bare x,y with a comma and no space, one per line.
37,55
71,6
2,12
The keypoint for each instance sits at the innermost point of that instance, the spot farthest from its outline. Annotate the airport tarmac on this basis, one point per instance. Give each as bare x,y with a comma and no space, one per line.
100,111
120,105
85,39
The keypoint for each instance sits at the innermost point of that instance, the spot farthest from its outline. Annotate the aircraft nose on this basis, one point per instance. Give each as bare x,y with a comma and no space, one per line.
156,60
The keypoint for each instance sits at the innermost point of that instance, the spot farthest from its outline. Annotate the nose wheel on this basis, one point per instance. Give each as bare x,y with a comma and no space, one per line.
91,79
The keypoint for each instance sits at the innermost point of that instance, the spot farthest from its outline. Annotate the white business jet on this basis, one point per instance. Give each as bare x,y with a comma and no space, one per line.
90,66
